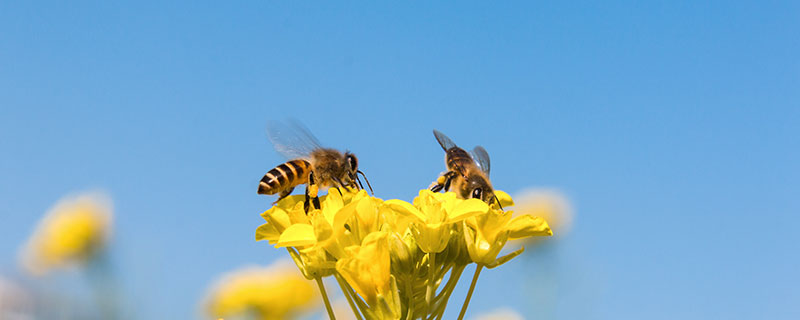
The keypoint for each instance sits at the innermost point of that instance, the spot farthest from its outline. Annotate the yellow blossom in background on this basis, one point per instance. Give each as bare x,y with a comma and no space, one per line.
551,205
274,292
74,231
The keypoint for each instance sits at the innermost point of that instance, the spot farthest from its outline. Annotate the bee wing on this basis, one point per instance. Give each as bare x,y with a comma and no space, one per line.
292,140
443,140
481,157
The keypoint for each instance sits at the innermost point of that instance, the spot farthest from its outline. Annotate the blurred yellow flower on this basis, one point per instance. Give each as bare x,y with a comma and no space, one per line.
274,292
74,231
551,205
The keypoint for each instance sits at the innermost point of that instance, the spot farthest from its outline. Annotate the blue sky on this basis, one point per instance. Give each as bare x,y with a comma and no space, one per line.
672,127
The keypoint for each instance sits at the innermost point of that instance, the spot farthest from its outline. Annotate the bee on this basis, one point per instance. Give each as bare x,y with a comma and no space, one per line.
467,174
310,164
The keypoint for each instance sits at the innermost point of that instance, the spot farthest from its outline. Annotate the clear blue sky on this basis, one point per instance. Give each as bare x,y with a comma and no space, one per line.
672,126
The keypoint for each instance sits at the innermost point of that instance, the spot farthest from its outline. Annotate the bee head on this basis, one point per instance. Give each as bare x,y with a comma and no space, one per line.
351,163
478,187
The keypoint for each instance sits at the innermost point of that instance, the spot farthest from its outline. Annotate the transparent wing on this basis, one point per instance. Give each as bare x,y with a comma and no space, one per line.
481,157
292,139
444,141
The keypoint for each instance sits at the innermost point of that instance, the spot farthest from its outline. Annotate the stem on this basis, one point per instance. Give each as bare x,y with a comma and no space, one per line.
410,293
455,275
104,286
325,298
349,298
360,303
469,293
431,279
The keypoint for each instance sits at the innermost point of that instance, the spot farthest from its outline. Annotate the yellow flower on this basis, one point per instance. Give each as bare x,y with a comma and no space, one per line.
367,267
367,270
318,238
486,234
274,292
434,214
371,245
72,232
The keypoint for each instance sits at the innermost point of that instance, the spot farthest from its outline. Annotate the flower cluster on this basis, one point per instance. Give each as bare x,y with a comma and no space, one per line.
274,292
73,232
393,259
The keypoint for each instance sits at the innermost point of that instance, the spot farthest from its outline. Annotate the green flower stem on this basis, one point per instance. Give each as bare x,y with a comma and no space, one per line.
469,293
455,275
347,295
104,285
410,291
360,303
325,298
431,281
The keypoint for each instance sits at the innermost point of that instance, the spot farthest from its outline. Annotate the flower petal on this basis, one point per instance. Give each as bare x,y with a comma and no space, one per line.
278,218
368,270
267,232
404,208
505,258
504,198
300,234
467,208
528,226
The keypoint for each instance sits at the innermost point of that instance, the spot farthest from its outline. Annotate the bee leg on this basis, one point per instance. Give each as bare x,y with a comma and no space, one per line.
311,193
450,175
437,185
443,182
306,202
284,194
316,203
311,198
340,184
338,188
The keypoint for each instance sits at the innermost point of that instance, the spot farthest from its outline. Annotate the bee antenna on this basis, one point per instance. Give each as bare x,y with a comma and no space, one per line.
360,186
365,179
498,202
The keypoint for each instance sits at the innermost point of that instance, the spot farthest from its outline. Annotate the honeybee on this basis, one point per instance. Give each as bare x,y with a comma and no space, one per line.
467,173
310,164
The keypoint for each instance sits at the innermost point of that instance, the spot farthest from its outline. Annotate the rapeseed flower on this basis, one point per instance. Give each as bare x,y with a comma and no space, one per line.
434,214
486,234
73,232
391,257
273,292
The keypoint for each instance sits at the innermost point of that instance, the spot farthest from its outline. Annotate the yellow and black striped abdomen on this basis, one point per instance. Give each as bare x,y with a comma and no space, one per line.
457,159
285,176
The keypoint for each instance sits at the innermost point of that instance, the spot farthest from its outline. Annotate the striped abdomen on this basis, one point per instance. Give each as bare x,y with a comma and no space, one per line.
457,159
285,176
